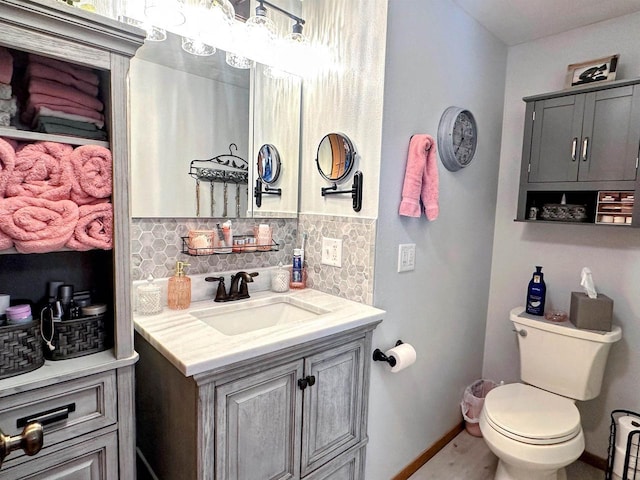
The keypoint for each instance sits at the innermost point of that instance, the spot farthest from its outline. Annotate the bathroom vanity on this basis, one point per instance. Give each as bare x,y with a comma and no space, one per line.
268,398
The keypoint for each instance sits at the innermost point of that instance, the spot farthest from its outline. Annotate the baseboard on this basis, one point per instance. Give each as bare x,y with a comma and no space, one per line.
429,453
594,460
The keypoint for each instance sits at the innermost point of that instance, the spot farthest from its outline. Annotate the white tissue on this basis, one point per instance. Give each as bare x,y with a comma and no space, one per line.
586,280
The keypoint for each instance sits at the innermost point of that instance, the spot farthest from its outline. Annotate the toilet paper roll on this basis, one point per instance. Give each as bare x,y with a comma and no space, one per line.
618,464
625,425
404,354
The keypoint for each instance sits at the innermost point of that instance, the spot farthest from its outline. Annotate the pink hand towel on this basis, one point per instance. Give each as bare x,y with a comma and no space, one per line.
421,178
81,73
6,66
38,70
37,225
94,228
55,89
54,112
92,174
40,171
37,102
7,164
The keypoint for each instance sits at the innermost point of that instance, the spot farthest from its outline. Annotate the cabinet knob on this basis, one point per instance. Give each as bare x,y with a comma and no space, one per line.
30,441
308,381
585,148
574,149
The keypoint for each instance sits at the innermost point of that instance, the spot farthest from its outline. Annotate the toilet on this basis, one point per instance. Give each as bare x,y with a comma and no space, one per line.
534,427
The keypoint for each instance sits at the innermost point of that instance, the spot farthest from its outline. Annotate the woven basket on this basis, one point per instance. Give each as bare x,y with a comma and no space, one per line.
20,349
78,337
564,212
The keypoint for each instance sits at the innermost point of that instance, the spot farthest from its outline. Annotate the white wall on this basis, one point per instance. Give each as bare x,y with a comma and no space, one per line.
437,56
612,253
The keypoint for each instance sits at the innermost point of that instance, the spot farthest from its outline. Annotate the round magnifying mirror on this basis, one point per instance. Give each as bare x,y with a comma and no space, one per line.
335,157
268,164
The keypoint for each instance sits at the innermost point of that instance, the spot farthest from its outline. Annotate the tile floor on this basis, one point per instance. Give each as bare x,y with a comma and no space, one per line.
468,458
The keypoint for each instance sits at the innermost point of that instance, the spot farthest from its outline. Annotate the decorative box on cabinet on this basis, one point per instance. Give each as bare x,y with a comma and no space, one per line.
51,28
297,413
578,142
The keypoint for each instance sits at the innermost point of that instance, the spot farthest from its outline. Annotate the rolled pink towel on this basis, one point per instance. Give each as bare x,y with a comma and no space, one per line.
38,70
81,73
6,66
41,171
92,174
5,241
7,164
55,89
94,228
37,225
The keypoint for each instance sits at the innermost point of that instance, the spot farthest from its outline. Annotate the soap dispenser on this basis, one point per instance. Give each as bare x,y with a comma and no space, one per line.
179,289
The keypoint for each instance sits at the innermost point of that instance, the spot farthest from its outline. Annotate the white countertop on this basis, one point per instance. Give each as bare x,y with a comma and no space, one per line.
193,347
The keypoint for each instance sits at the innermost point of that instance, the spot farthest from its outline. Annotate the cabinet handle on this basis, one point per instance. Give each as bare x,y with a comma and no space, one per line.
30,441
308,381
50,416
585,148
574,149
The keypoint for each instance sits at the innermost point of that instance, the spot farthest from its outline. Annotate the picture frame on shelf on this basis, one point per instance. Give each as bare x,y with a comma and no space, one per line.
597,70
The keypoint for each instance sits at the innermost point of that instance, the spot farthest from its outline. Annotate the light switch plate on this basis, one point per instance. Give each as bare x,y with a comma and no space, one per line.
406,257
332,252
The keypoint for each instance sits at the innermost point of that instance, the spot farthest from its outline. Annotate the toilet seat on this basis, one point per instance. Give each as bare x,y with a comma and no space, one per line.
531,415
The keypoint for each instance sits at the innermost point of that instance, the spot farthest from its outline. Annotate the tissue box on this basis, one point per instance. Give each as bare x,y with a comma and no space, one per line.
591,313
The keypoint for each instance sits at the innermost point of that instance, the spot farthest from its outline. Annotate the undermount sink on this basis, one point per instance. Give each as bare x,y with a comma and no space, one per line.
236,319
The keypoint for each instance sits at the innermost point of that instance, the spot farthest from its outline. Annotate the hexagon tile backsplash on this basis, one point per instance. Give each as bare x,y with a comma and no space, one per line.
156,246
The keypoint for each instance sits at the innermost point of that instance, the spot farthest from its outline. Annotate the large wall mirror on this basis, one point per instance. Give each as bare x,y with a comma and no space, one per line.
185,108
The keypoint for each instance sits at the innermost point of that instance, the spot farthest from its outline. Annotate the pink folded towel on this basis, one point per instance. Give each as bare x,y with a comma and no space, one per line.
37,225
92,174
41,170
38,101
81,73
421,178
55,89
94,228
38,70
54,112
7,164
6,66
5,241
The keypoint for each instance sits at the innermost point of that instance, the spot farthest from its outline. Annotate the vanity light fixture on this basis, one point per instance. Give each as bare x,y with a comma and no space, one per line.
164,13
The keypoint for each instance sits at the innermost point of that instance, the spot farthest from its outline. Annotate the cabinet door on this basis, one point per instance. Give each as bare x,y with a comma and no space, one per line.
555,141
258,422
332,420
92,459
610,135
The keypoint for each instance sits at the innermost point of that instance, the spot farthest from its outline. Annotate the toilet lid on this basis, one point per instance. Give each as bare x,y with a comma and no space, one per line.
531,415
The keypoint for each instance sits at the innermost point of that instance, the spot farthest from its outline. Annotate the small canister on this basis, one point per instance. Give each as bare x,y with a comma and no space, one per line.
280,280
94,310
19,314
148,298
200,242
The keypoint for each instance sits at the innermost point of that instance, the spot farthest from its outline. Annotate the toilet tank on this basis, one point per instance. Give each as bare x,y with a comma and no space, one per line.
560,358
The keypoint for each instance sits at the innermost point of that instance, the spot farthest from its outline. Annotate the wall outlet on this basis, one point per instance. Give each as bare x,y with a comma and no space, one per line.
406,257
332,252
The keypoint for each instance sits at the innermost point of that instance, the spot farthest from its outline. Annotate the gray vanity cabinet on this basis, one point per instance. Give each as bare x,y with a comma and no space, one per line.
296,413
287,421
584,137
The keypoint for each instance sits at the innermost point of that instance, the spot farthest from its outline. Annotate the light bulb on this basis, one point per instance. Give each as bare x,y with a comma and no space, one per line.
154,34
166,13
238,61
197,47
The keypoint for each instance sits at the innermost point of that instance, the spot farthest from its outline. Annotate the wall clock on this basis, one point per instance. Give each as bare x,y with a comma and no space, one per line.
457,138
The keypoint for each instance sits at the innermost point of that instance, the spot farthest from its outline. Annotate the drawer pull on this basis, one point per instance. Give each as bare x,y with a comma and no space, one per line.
30,441
48,417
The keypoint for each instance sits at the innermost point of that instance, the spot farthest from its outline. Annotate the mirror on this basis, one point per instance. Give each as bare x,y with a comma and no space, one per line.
268,164
335,157
184,108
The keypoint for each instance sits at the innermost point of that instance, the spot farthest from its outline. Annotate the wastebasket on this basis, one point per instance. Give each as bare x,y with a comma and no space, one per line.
472,403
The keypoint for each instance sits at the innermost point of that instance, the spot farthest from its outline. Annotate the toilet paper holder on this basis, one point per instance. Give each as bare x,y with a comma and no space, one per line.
379,356
631,452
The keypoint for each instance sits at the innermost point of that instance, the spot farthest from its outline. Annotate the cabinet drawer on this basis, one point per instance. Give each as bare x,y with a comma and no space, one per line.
82,459
89,401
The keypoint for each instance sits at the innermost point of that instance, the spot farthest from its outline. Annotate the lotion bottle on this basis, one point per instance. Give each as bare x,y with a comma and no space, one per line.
536,293
179,289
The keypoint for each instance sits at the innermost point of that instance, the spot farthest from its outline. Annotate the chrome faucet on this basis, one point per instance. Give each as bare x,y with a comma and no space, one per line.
238,289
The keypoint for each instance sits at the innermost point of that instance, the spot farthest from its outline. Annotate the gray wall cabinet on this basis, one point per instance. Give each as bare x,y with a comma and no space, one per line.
296,413
97,439
578,142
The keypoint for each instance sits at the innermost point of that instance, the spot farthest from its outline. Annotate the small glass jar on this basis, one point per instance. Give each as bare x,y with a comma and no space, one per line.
148,298
280,280
238,244
250,243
